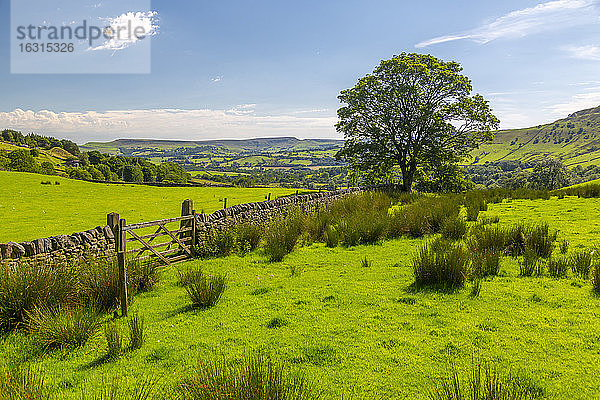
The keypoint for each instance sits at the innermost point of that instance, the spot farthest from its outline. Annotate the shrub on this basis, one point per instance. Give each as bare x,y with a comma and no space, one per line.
441,263
531,265
22,381
282,235
253,378
136,332
486,383
454,228
205,291
114,341
219,242
25,286
61,328
248,236
581,263
558,267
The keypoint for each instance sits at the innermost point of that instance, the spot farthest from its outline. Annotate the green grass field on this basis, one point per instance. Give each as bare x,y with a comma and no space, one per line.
30,210
363,332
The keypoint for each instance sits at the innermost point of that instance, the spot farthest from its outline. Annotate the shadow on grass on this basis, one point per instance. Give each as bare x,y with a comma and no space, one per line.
182,310
434,288
106,358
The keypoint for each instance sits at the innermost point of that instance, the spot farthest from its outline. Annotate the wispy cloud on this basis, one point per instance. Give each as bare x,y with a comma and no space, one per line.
543,17
577,102
237,122
216,79
589,52
124,29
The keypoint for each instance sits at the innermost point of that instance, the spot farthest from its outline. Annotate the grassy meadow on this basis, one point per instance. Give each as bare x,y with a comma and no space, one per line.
356,330
30,210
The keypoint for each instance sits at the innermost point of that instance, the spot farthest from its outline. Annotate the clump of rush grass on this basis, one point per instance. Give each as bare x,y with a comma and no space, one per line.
219,242
596,278
255,377
486,263
365,263
136,332
558,266
20,381
486,383
282,235
276,322
442,264
475,287
581,263
62,328
204,291
114,340
248,236
530,265
454,228
331,236
564,246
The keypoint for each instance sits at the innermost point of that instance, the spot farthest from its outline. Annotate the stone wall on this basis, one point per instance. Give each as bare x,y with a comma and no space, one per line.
101,240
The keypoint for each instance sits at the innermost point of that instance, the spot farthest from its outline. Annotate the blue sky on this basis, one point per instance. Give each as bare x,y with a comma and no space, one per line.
238,69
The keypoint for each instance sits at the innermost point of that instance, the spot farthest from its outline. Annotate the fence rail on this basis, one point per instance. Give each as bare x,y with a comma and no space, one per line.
178,247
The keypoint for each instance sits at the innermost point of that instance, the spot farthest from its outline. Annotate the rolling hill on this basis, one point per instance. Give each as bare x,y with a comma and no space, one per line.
575,140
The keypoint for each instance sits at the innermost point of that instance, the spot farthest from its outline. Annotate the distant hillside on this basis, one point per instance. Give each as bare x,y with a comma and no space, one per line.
260,145
575,140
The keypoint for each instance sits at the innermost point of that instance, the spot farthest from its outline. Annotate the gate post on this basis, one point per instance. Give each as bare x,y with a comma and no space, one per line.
187,208
122,268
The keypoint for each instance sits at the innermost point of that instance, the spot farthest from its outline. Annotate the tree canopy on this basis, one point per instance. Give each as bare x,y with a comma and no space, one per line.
413,111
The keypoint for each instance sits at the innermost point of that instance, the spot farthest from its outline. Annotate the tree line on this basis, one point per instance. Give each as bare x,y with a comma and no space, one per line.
42,142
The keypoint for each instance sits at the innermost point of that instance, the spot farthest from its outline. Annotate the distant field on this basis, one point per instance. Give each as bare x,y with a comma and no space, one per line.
30,210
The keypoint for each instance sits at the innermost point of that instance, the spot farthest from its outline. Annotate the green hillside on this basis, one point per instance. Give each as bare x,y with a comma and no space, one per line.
575,140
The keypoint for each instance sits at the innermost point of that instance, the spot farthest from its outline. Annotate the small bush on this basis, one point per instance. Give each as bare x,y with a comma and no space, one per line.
114,340
205,291
136,332
22,382
255,377
486,383
61,328
441,263
558,267
248,236
454,228
282,235
531,265
581,263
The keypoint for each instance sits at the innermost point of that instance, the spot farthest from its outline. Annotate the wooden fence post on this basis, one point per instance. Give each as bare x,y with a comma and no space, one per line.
187,208
122,268
269,196
225,203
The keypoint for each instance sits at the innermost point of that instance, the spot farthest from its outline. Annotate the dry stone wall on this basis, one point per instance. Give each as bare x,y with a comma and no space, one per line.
101,240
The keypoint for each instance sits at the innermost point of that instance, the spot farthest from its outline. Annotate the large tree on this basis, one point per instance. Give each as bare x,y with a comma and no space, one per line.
413,110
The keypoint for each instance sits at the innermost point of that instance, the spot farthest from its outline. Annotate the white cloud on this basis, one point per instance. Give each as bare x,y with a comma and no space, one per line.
129,28
238,122
543,17
577,102
589,52
216,79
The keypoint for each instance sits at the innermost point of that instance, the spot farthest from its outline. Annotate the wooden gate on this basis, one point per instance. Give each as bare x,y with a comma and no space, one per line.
154,241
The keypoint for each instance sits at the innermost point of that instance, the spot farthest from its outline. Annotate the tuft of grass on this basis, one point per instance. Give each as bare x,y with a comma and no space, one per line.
114,340
596,278
530,265
564,246
581,263
558,266
276,322
486,263
475,288
331,236
256,377
260,290
62,328
136,332
440,263
282,235
22,382
248,236
454,228
189,275
365,263
486,383
205,291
